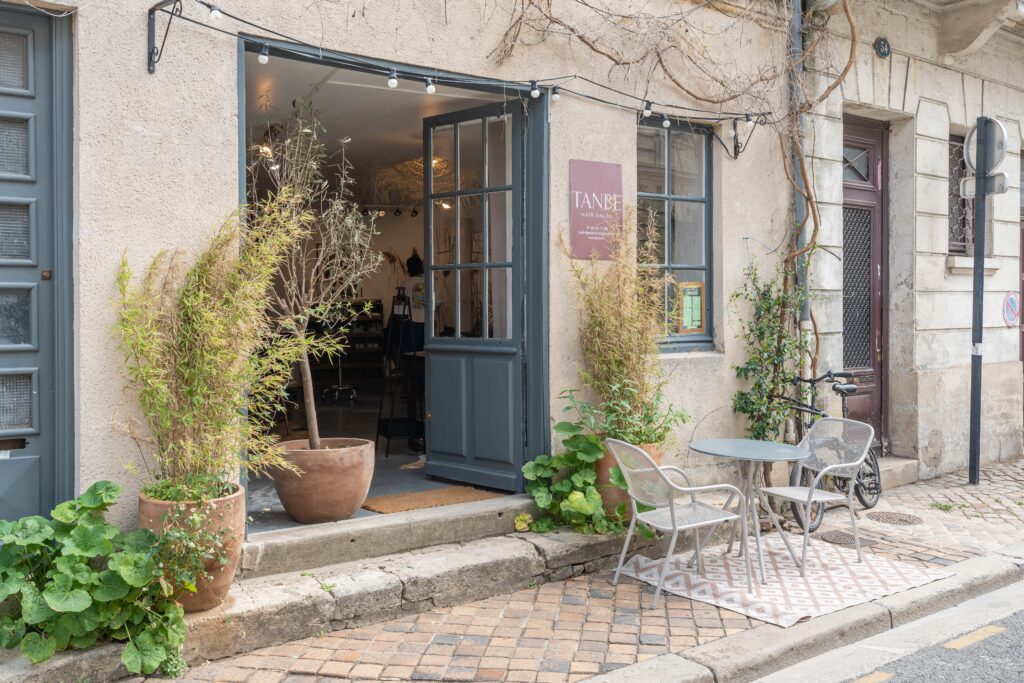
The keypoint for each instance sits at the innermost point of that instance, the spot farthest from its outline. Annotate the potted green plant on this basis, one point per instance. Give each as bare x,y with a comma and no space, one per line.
622,316
209,368
328,479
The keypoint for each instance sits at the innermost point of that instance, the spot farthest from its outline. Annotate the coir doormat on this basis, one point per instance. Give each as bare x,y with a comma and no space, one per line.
417,500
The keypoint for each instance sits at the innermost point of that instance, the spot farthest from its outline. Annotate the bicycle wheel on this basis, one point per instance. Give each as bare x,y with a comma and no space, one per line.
869,481
806,478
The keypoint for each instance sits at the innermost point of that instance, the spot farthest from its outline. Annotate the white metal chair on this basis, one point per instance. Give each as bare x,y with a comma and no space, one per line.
838,447
661,488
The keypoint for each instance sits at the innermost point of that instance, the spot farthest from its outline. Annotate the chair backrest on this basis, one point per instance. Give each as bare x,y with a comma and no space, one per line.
836,441
647,484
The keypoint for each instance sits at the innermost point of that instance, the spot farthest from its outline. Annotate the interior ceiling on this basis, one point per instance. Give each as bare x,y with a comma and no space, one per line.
385,125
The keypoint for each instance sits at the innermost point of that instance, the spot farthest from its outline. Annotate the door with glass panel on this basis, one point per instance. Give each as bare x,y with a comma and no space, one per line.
27,249
474,358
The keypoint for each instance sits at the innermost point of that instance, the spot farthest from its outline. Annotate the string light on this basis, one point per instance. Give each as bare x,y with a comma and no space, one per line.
431,88
665,121
398,211
264,54
215,13
393,78
415,212
534,90
647,109
556,94
750,122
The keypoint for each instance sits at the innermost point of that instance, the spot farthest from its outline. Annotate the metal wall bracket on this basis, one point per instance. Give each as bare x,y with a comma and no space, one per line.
154,53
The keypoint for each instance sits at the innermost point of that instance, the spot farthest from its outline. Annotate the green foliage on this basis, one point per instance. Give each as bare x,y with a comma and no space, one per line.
624,416
773,348
201,350
564,486
73,580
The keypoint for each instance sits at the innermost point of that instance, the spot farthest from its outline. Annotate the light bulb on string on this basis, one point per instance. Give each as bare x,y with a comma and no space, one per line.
647,110
534,90
750,122
264,54
556,94
431,88
215,13
415,212
393,79
665,121
398,211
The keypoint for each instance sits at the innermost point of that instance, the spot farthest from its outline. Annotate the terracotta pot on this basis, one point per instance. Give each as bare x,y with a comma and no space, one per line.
334,480
227,512
612,495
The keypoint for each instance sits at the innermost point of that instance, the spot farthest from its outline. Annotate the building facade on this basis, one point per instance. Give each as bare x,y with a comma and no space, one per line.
120,161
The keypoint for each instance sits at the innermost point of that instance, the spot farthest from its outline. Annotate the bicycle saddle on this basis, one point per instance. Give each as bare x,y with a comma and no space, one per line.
844,389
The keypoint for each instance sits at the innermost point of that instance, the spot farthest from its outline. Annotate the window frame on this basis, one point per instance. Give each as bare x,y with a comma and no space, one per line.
700,341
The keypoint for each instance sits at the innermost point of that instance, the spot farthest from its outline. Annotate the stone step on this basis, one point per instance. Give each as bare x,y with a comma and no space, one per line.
897,472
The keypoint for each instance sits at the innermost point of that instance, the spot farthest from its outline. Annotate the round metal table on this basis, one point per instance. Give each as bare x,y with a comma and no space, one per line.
746,453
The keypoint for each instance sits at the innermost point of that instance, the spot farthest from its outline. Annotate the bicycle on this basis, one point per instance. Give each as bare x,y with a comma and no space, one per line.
868,486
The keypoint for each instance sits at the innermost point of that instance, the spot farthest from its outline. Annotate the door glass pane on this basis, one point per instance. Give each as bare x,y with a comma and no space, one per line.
471,155
687,172
471,228
687,233
650,222
499,226
443,226
856,287
499,150
686,303
15,401
472,303
15,316
650,160
15,242
14,146
13,61
855,164
444,303
499,304
443,160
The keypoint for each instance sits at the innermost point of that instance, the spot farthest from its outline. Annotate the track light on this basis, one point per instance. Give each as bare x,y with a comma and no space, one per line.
215,13
665,121
264,54
431,88
556,94
393,79
534,90
647,110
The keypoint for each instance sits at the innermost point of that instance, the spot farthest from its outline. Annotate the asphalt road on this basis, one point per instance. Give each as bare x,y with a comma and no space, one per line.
993,653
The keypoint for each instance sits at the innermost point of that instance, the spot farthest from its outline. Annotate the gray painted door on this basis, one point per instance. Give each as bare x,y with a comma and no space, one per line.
27,258
474,246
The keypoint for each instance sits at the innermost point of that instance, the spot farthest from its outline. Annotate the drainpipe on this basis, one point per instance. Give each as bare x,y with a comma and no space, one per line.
799,204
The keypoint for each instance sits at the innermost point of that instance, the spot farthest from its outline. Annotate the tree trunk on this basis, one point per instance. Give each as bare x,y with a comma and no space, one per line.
309,401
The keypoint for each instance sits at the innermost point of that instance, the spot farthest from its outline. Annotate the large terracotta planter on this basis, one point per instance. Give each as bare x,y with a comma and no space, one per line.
612,495
228,513
333,483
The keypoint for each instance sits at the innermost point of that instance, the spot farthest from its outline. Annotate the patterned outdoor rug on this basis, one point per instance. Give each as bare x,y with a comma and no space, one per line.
834,580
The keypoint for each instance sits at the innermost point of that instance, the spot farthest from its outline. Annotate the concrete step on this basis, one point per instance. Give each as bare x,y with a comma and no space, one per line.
897,472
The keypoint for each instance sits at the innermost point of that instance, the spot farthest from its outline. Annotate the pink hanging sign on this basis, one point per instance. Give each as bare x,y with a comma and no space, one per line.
595,206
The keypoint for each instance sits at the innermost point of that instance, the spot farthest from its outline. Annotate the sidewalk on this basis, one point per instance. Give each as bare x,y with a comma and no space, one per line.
575,629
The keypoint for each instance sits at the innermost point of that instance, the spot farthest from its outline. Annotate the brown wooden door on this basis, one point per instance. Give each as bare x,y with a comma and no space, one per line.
865,246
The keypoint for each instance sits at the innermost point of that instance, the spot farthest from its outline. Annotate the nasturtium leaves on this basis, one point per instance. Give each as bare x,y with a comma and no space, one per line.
542,496
11,581
138,541
63,596
75,567
11,632
37,647
111,587
90,541
34,609
66,512
568,428
136,569
82,642
99,496
32,530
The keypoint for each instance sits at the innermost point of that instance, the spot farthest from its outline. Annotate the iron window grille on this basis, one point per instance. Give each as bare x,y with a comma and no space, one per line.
961,210
674,194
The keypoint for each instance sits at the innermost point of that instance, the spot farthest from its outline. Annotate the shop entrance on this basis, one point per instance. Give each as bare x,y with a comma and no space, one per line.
436,369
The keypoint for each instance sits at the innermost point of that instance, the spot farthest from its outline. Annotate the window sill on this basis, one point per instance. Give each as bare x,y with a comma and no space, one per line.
961,264
684,350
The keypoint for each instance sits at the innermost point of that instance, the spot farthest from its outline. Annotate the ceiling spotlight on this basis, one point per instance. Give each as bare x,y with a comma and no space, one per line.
414,212
215,13
398,211
264,54
431,88
534,90
647,109
665,121
393,78
555,94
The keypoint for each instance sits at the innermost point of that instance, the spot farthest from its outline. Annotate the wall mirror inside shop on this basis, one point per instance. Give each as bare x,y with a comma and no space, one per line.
432,342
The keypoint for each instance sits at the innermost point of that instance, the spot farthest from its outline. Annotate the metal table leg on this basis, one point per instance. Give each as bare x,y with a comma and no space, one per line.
752,506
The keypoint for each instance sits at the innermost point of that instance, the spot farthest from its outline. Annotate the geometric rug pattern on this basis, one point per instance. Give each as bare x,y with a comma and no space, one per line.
834,579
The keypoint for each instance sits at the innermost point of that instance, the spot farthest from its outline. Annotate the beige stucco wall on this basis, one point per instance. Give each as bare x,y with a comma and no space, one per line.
156,166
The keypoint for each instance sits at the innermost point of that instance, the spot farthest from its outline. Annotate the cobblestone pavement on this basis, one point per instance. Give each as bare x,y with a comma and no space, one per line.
571,630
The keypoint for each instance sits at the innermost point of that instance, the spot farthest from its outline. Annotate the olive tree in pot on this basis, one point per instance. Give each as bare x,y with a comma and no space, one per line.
622,316
329,478
209,369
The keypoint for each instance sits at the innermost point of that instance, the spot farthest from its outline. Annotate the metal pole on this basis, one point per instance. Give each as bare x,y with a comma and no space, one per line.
986,152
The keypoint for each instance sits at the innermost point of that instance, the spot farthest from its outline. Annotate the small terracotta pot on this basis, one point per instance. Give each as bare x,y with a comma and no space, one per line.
612,495
334,480
227,512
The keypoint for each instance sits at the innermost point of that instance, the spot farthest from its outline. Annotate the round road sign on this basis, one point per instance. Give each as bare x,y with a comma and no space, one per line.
971,142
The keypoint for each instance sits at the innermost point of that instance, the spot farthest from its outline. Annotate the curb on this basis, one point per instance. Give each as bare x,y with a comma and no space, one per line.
768,648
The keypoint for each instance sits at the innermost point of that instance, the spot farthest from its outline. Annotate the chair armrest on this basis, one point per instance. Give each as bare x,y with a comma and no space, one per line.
831,468
673,468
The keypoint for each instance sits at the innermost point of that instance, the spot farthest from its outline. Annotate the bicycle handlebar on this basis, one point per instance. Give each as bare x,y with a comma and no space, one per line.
830,376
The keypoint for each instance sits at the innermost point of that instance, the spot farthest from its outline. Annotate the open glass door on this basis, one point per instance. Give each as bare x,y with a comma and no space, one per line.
474,357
